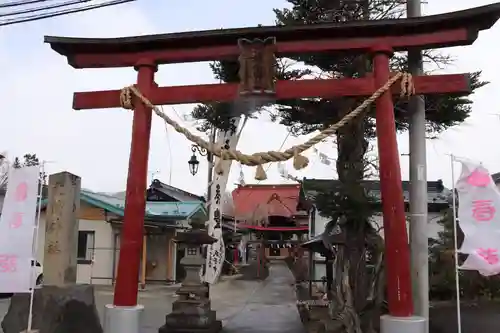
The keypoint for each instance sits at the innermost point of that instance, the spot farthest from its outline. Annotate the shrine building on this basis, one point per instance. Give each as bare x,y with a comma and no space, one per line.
268,214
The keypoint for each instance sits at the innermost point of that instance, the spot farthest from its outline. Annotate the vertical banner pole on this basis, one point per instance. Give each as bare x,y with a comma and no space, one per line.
36,232
455,241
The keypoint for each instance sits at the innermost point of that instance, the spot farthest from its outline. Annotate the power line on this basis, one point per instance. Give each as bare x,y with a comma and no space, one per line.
37,9
21,3
51,13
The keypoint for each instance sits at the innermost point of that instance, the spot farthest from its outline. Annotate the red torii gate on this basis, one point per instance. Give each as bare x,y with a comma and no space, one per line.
379,38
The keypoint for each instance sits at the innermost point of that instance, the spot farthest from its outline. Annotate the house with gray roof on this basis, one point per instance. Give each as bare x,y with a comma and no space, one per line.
438,201
159,191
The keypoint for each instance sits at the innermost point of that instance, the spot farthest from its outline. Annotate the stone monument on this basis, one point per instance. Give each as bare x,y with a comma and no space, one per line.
60,305
191,312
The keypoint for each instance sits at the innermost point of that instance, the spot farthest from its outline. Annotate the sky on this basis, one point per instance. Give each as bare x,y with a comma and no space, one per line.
37,86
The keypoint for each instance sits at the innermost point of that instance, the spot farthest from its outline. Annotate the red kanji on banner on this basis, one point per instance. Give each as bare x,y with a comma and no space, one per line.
479,178
490,255
21,192
8,263
17,220
483,210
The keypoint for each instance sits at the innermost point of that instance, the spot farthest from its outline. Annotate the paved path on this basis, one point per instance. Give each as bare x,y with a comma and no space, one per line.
243,306
270,307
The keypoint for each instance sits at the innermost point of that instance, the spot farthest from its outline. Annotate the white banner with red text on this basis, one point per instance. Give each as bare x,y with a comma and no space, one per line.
479,219
17,226
216,254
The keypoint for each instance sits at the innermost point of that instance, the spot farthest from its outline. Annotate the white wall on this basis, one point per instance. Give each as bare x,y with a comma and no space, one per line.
319,226
157,254
101,271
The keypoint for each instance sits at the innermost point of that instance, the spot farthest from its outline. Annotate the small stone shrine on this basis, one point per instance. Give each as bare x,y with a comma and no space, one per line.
191,312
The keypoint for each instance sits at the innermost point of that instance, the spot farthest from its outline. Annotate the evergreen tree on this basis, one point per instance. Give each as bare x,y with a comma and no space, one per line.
442,261
27,161
304,116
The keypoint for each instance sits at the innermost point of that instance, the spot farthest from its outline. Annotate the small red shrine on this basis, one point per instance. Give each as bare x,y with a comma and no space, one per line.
269,213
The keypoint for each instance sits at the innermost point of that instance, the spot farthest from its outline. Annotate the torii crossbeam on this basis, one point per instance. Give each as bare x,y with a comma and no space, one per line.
378,38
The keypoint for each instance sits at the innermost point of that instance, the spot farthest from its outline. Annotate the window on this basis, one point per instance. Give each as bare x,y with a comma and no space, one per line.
86,244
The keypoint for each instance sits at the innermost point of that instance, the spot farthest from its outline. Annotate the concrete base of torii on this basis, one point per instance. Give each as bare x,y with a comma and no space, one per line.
123,319
414,324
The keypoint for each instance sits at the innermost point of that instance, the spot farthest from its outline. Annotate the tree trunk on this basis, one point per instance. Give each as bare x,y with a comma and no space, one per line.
352,285
352,147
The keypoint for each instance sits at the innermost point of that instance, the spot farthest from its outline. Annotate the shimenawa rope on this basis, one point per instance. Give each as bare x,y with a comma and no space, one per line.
258,159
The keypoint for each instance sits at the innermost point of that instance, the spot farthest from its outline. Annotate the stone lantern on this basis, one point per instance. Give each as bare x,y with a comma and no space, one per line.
192,312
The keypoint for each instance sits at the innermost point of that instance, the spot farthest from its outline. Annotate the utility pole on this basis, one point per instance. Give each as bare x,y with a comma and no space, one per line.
418,186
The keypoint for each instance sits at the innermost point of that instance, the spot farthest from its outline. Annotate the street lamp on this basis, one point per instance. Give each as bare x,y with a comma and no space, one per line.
193,161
